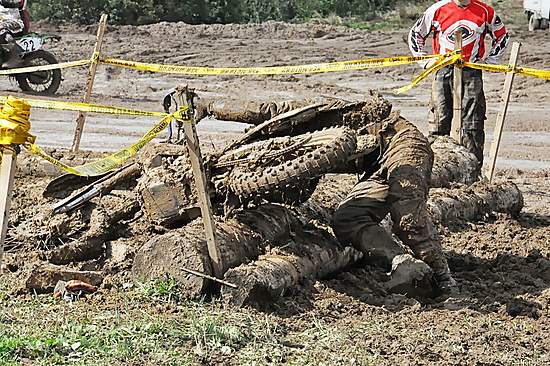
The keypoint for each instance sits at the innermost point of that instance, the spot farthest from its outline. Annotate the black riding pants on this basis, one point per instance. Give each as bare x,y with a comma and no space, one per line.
473,108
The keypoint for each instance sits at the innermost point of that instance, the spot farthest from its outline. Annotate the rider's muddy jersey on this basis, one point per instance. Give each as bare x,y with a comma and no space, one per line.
475,20
9,14
11,19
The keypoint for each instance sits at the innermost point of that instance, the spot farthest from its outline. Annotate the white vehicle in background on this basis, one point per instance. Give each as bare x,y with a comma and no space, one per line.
538,13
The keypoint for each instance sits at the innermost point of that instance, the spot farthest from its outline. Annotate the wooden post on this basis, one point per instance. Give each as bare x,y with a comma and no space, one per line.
81,120
456,126
501,117
185,98
7,178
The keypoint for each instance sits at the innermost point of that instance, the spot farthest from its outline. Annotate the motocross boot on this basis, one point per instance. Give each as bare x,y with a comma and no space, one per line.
379,247
446,284
431,253
13,56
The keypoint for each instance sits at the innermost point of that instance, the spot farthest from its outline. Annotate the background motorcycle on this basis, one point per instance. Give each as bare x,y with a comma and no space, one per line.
38,82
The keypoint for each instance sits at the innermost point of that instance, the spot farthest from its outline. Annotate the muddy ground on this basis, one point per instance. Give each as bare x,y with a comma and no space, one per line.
267,45
502,265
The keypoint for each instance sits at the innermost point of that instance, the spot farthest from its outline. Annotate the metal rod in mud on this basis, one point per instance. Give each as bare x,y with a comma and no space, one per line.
185,98
81,119
456,126
204,275
501,117
7,179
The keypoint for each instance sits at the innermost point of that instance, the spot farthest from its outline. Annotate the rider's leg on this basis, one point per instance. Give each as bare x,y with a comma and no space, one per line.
441,104
12,52
356,222
409,161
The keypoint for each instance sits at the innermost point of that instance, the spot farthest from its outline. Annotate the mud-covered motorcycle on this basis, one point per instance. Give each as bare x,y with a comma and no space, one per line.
280,160
283,158
33,54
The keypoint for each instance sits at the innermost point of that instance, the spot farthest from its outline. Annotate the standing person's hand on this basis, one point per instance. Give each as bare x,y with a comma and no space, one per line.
491,60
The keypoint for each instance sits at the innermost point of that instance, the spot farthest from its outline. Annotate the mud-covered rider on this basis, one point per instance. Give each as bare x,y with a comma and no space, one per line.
14,21
395,181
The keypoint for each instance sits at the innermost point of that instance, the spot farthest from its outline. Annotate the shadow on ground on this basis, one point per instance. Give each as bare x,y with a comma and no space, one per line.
503,282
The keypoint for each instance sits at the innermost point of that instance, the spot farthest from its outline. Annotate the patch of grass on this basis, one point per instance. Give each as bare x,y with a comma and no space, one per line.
145,325
14,347
162,289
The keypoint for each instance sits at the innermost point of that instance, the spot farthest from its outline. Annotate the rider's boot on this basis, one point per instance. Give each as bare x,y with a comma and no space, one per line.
13,54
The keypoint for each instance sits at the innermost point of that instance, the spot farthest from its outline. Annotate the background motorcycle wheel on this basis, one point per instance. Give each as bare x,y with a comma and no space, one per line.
40,82
323,152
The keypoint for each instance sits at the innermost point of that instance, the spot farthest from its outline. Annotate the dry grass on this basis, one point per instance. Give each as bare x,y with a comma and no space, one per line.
150,325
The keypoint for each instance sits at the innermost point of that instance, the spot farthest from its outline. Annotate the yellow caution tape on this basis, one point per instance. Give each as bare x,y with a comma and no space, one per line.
272,70
115,160
15,130
110,162
487,67
542,74
14,123
96,57
438,65
63,65
353,65
87,108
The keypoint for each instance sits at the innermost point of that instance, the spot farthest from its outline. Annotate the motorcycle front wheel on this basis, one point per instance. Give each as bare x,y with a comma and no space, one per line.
40,82
288,164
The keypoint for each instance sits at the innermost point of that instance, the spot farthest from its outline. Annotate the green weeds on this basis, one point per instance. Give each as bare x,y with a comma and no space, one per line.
148,325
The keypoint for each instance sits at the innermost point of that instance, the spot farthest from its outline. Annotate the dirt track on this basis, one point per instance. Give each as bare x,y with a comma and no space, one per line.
276,44
502,267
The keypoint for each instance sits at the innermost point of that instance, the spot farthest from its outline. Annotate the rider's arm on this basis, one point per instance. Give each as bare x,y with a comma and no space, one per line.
418,34
10,3
500,38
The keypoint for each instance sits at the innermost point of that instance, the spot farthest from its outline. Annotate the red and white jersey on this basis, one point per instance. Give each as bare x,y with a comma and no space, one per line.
475,20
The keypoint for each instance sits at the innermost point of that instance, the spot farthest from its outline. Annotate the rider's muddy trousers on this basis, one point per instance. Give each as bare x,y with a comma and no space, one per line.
399,187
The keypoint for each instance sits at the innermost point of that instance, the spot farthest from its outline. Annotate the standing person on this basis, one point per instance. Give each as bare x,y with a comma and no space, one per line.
475,20
11,24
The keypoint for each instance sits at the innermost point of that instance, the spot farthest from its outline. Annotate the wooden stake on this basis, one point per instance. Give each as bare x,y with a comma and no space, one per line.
7,178
185,98
456,126
501,117
81,120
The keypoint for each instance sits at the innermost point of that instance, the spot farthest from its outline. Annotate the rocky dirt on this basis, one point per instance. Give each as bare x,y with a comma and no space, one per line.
502,264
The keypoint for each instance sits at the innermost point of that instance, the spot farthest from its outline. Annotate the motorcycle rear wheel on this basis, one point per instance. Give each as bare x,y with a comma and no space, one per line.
40,82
